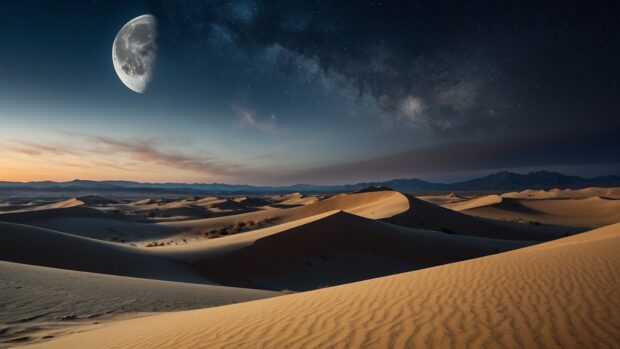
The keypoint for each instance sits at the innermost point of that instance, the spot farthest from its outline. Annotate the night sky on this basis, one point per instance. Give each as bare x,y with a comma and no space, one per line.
281,92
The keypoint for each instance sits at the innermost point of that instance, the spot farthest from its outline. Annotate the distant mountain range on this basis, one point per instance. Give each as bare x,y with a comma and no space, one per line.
501,181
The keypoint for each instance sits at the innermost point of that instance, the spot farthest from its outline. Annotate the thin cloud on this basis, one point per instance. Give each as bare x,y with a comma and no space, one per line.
146,151
248,119
545,151
36,149
123,154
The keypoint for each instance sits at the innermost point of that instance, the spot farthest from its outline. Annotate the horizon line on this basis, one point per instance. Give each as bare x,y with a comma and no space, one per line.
301,183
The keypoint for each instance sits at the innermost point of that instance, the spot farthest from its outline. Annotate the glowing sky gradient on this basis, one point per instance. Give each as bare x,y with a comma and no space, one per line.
260,92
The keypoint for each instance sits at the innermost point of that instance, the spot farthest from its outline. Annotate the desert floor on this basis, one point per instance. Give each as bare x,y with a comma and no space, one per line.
375,268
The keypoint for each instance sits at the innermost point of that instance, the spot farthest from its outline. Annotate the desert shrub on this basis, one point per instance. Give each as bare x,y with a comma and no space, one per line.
233,229
266,221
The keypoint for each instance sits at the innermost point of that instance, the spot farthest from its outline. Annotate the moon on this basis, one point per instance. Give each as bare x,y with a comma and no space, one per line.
134,51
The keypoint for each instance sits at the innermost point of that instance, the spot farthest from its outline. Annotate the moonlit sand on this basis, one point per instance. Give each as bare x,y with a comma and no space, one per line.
371,269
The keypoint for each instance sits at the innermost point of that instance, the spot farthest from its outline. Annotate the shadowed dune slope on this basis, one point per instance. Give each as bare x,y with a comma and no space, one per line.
372,205
442,199
294,199
40,302
88,222
473,203
424,215
52,213
32,245
590,212
610,193
73,202
329,249
564,293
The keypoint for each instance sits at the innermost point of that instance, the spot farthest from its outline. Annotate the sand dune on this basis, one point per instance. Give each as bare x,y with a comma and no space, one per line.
372,205
294,199
424,215
183,208
442,199
22,216
32,245
328,249
610,193
558,294
474,203
45,302
73,202
590,212
89,222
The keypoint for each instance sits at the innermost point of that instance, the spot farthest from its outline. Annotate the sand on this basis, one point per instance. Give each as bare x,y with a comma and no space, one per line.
73,202
294,199
588,212
43,247
67,301
373,205
443,199
424,215
473,203
610,193
409,272
328,249
564,293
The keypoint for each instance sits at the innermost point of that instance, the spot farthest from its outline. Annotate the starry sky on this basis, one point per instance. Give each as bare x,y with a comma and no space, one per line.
325,92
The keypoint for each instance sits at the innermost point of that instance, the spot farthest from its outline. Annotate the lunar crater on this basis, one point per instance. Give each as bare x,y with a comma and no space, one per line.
134,52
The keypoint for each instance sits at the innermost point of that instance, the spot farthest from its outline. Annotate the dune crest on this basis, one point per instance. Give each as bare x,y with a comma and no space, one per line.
558,294
328,249
67,301
43,247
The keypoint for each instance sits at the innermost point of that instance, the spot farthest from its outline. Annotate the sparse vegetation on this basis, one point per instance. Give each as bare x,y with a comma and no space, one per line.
238,227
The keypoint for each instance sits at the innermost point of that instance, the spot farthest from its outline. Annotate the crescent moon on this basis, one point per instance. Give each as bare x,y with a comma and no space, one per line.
134,51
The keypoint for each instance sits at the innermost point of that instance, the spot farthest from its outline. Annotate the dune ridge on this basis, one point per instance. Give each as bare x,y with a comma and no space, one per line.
73,202
328,249
563,293
67,300
372,205
425,215
31,245
590,212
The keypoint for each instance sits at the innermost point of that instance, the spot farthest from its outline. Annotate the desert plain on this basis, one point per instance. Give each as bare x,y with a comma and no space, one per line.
374,268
